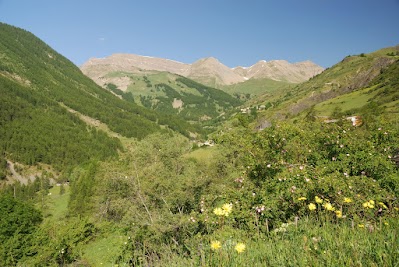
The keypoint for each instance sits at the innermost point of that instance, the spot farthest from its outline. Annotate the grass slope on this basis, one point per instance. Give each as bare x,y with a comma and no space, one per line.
383,91
348,85
256,87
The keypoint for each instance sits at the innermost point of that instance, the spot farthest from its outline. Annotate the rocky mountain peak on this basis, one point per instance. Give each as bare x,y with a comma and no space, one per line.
207,70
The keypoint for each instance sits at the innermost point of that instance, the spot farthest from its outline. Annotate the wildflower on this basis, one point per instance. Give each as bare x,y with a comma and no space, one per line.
302,198
239,180
369,204
338,213
215,245
329,207
260,209
227,208
312,206
318,200
240,247
382,205
396,208
360,225
218,211
347,200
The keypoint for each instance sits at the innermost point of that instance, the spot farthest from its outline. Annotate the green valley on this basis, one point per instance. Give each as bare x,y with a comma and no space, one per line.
117,175
169,93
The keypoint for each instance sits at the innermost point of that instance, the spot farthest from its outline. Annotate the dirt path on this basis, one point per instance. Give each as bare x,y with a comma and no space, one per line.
15,175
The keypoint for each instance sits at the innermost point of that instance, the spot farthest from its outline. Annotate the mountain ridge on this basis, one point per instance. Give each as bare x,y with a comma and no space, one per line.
209,70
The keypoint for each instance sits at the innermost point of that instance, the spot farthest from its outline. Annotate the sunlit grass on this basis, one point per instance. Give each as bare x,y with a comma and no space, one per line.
203,154
307,244
56,203
345,102
104,251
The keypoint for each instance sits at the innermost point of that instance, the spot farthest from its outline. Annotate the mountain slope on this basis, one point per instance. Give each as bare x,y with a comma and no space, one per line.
211,71
173,94
96,68
256,87
383,92
207,70
280,70
350,84
39,89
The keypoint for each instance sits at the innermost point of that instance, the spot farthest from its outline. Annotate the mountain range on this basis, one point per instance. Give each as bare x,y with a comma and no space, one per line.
208,71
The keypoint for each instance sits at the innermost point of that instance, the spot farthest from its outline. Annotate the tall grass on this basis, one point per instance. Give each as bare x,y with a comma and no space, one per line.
309,243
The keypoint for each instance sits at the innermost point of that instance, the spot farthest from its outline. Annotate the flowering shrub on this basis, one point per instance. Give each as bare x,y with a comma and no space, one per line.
301,170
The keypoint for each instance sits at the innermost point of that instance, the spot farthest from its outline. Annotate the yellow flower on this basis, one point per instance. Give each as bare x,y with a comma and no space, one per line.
240,247
227,208
329,207
312,206
302,198
318,200
215,245
360,225
382,205
369,204
338,213
385,223
396,208
218,211
347,200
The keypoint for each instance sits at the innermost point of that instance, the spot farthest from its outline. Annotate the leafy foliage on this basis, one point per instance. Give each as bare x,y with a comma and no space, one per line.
18,223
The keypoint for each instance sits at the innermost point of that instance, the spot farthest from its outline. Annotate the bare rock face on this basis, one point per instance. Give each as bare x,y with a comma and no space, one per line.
281,70
98,68
207,70
211,68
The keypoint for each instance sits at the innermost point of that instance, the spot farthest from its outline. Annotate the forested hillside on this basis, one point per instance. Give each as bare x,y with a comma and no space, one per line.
172,94
38,89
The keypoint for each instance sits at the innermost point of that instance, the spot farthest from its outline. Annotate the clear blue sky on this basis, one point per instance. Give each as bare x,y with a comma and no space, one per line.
237,32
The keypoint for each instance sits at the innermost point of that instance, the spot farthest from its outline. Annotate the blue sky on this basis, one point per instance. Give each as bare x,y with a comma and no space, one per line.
235,32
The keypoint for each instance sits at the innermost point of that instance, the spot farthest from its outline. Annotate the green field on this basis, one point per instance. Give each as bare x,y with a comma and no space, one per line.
346,102
256,87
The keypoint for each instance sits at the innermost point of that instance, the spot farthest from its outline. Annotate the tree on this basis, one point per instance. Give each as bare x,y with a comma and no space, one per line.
18,221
